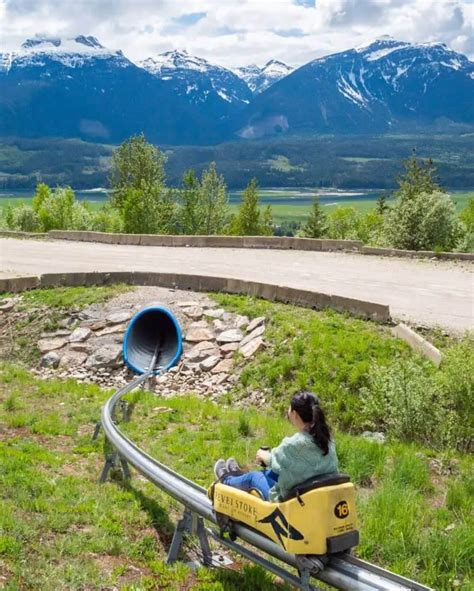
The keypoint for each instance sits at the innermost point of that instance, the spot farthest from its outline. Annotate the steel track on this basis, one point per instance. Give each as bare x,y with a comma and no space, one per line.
347,573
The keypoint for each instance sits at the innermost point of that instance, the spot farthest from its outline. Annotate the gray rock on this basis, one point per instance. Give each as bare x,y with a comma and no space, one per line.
83,347
6,305
45,345
107,356
229,347
67,322
72,359
91,312
219,325
253,335
241,321
57,333
214,312
194,312
255,322
196,335
80,335
199,324
376,436
230,336
209,363
185,304
51,359
221,378
202,350
224,366
118,317
250,348
111,329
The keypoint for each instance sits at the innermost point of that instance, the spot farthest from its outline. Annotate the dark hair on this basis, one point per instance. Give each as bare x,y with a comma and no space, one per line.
307,406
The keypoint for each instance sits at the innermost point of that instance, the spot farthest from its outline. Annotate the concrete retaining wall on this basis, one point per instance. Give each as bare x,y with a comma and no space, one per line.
272,242
423,254
289,295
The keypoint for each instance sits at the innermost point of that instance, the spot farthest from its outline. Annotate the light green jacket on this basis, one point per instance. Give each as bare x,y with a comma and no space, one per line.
296,459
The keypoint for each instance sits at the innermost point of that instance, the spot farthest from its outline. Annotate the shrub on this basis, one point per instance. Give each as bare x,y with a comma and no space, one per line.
22,218
413,402
424,221
343,223
370,228
401,399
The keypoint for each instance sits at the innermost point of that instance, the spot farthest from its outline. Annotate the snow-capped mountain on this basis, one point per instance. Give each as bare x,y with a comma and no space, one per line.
259,79
199,80
76,87
385,85
79,88
70,52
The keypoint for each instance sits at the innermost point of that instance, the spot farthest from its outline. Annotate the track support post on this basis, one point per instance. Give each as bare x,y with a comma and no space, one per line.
193,524
114,461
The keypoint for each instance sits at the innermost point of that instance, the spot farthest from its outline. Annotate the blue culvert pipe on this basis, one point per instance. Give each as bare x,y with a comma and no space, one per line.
153,336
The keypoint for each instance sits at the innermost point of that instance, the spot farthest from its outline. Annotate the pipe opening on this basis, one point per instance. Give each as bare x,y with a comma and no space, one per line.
153,330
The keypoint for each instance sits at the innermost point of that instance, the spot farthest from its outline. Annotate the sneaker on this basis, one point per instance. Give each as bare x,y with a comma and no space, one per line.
220,468
232,465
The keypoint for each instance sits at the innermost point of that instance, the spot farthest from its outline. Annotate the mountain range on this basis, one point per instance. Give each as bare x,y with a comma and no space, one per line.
78,88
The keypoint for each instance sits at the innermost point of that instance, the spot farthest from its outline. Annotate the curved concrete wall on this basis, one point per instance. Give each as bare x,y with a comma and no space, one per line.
268,291
271,242
276,242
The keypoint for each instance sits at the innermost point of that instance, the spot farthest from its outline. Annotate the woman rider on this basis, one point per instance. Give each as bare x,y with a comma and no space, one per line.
307,453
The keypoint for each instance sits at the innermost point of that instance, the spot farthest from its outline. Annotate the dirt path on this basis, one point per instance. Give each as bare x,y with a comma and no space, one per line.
435,293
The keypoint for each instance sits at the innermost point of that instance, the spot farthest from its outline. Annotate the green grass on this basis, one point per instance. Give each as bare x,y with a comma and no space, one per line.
325,351
60,529
77,297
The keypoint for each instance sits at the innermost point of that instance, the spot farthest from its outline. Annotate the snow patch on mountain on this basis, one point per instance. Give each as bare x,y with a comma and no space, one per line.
196,77
259,79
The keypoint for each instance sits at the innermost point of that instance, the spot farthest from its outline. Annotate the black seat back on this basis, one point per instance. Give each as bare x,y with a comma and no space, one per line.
318,481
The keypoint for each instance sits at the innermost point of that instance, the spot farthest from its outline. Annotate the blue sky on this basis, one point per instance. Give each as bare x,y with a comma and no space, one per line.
239,32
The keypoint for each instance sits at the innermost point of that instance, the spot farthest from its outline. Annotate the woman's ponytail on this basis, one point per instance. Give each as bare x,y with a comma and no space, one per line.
306,404
319,429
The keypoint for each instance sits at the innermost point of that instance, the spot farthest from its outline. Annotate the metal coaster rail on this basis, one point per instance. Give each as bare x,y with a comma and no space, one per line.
346,572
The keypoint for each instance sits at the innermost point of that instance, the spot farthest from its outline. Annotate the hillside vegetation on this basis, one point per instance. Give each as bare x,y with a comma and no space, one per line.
59,528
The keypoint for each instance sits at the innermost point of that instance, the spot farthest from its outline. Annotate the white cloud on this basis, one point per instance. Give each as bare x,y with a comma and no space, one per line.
236,33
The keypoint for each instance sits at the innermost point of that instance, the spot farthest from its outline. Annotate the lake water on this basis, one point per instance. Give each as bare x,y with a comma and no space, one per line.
280,196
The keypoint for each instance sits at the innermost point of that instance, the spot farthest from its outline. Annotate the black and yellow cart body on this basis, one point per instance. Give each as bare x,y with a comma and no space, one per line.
317,517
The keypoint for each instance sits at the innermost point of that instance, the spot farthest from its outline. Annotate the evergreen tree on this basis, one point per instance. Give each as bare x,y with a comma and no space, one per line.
317,224
266,228
189,218
250,221
247,222
419,178
382,207
213,205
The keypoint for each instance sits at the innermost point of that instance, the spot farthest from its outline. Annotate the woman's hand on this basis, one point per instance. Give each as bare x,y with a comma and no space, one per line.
263,456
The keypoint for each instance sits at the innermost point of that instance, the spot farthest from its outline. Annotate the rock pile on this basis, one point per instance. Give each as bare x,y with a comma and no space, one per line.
216,345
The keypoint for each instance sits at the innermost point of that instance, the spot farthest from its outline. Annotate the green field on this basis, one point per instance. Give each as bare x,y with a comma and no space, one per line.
295,211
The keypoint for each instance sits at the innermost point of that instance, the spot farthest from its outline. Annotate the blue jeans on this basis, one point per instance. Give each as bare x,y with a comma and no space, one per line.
262,480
